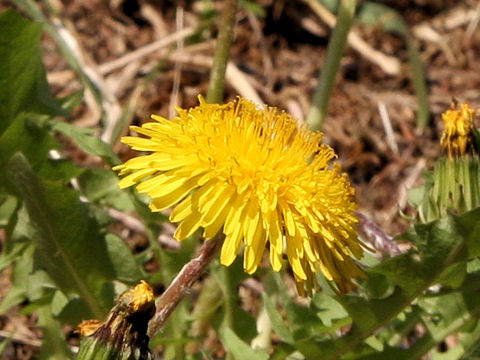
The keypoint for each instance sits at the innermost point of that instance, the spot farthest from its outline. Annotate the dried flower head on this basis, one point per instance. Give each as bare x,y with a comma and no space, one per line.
123,335
459,131
258,176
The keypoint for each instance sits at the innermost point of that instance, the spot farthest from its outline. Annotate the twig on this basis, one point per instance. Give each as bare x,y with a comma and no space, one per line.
473,23
20,339
178,288
387,125
129,221
425,32
388,64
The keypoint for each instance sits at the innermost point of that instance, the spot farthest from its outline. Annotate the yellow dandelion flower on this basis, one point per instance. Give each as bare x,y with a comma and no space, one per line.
258,176
459,129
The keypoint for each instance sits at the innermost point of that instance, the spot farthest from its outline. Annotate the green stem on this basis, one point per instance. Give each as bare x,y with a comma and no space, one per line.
335,49
224,42
428,342
224,281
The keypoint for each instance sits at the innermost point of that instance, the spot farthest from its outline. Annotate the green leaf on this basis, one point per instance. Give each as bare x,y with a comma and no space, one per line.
21,271
69,310
328,309
26,136
124,265
101,186
454,276
469,227
8,207
23,85
16,250
87,142
376,14
238,348
54,346
67,240
445,313
15,296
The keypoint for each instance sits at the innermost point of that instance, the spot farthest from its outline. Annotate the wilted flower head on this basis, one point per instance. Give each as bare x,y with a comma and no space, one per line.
258,176
458,134
123,334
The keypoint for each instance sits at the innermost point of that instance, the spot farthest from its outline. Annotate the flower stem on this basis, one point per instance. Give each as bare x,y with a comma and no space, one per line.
329,71
225,38
183,282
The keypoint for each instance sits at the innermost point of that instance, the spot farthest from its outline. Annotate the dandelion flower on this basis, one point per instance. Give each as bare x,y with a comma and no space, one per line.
260,178
454,185
459,129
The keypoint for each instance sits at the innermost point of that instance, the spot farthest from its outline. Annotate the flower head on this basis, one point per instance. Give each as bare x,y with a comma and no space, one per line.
459,130
258,176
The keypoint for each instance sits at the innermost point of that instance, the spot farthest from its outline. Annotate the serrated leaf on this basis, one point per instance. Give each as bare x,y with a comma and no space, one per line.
23,85
439,244
68,243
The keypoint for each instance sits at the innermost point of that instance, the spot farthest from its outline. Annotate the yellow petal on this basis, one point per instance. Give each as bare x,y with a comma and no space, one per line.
215,204
293,258
232,222
134,178
188,226
182,210
254,251
230,247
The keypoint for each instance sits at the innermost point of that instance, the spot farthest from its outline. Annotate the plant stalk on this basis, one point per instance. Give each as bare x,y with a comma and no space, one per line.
183,282
225,38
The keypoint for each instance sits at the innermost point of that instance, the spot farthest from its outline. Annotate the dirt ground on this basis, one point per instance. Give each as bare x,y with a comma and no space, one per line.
278,57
